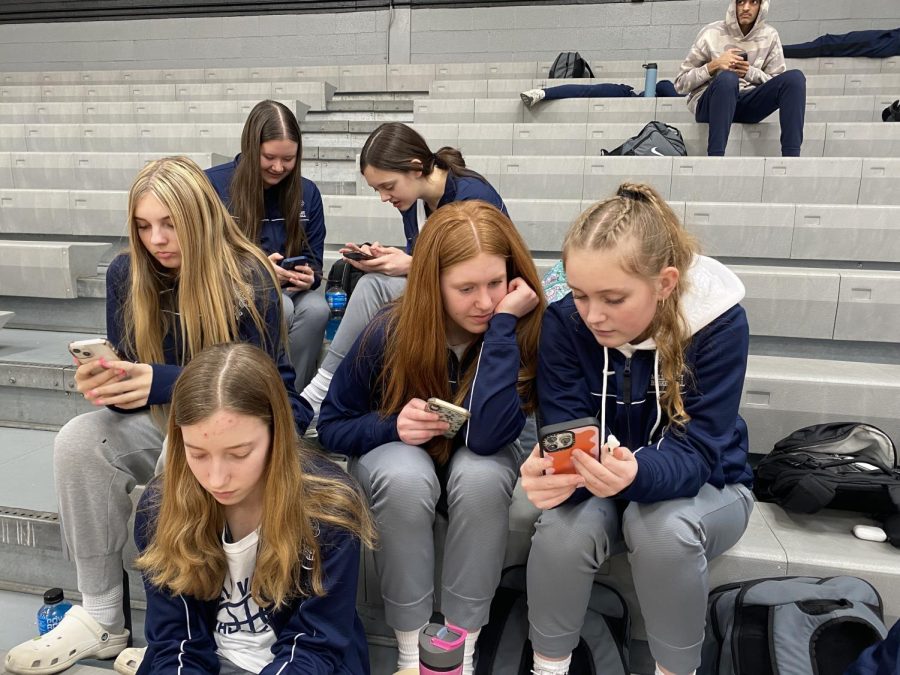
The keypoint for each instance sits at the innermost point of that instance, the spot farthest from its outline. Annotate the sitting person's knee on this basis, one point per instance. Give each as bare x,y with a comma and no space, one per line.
725,80
659,528
794,78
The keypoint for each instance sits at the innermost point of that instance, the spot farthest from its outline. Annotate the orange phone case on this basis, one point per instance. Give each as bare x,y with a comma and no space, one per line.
559,440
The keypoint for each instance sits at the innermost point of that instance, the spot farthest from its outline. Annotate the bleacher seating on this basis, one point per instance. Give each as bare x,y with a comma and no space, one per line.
816,239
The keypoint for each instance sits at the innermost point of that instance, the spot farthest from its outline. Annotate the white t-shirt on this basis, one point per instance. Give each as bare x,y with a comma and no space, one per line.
243,633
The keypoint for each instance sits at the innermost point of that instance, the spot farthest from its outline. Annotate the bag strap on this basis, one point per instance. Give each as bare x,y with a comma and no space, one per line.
492,631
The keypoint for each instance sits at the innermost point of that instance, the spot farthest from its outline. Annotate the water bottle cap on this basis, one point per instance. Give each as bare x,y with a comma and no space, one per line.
53,595
651,65
441,647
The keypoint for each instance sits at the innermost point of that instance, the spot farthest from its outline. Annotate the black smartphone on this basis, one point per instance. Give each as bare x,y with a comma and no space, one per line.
290,263
358,255
743,56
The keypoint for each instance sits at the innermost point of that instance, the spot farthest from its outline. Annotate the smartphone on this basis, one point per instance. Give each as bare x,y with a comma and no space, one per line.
451,414
743,56
92,350
290,263
358,255
557,441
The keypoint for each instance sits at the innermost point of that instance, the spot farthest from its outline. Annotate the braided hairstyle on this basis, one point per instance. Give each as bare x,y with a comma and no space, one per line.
639,224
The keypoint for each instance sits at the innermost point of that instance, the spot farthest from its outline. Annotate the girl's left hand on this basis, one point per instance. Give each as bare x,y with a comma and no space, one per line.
129,393
519,300
614,472
304,278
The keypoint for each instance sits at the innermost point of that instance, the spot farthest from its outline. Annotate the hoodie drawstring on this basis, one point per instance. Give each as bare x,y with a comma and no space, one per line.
606,375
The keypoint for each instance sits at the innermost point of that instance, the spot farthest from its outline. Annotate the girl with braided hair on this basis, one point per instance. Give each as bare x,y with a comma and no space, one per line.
652,342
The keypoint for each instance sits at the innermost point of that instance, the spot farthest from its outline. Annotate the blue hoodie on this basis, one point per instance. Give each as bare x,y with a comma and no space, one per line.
315,635
882,658
273,235
349,422
713,447
268,304
456,189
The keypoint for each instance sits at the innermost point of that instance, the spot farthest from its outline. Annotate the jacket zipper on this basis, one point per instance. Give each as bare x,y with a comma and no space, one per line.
626,395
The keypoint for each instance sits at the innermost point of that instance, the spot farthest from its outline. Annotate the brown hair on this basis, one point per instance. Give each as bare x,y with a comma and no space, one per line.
268,121
394,146
185,553
415,363
639,224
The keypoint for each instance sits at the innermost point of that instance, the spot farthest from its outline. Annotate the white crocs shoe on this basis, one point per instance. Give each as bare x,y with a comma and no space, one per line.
129,660
532,96
78,636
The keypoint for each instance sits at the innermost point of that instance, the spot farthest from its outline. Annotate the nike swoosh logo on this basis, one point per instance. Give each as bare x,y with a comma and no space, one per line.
654,151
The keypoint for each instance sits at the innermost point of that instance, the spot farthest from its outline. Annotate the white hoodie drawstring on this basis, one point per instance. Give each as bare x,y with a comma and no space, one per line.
606,375
472,390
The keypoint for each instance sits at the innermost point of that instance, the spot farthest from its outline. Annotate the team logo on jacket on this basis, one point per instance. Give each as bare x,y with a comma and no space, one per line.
663,384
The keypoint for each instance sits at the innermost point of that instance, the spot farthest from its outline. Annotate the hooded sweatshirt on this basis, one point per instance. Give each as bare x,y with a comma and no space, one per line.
762,44
672,463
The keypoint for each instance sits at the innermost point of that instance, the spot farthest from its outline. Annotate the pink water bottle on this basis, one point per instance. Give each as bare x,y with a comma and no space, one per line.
441,650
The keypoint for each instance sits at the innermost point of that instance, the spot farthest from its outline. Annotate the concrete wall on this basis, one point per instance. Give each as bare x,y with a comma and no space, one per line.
660,30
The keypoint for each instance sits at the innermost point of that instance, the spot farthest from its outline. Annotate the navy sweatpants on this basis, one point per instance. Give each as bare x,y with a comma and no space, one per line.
664,88
722,103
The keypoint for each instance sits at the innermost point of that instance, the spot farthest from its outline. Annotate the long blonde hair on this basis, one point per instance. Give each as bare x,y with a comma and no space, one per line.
415,363
218,273
639,225
185,553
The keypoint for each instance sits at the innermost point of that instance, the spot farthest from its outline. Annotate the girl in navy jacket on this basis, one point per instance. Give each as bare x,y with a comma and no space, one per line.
466,332
190,279
249,543
653,343
281,212
398,164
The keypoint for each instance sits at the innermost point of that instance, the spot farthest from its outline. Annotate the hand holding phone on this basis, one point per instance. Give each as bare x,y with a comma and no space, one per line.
296,261
558,441
358,255
94,349
452,414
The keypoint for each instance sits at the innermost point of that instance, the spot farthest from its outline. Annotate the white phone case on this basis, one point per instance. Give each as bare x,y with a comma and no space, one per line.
451,414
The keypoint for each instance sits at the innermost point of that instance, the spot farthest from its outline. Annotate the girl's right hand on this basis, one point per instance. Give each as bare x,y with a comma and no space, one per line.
544,489
416,425
284,276
519,300
92,375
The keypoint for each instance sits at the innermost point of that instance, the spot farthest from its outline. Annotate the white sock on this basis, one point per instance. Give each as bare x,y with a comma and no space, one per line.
106,608
408,648
317,388
469,652
544,666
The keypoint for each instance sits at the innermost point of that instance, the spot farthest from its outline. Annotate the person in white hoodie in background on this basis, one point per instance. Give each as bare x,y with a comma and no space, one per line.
735,72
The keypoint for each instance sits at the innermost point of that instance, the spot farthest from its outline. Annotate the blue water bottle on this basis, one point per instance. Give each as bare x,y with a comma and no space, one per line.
337,303
650,80
55,607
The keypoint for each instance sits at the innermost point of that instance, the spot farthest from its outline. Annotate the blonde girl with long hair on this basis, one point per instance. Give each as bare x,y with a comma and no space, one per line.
249,542
281,211
465,331
189,280
652,341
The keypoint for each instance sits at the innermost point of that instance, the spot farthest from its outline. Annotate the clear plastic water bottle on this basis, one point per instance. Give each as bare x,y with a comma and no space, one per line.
650,80
337,303
55,607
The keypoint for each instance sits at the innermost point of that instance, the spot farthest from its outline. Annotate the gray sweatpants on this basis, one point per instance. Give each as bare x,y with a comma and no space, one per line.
306,314
372,292
669,545
403,490
98,458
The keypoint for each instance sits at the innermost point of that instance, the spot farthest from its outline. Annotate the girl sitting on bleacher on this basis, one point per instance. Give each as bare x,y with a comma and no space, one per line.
652,341
398,164
189,280
249,541
281,212
465,331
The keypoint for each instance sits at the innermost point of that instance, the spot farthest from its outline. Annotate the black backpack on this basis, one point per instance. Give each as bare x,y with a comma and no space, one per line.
891,113
570,64
656,139
504,647
345,275
790,626
840,465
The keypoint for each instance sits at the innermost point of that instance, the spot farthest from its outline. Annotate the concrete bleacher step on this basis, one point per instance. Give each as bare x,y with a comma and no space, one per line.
94,112
5,317
819,109
314,94
48,267
833,139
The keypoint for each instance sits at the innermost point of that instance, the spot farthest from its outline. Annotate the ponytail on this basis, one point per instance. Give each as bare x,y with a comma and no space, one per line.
639,223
